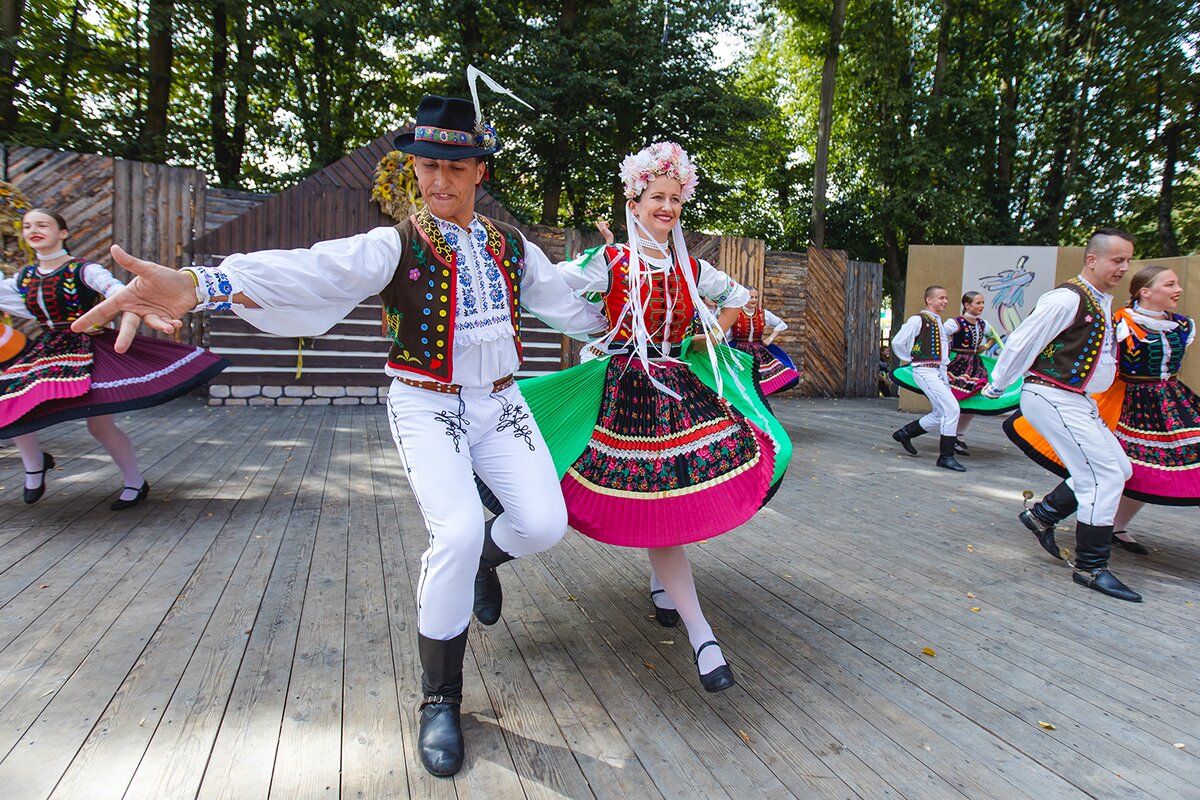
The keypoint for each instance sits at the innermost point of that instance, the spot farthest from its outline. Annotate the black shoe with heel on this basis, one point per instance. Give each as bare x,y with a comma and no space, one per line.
142,492
33,495
720,678
1130,545
667,617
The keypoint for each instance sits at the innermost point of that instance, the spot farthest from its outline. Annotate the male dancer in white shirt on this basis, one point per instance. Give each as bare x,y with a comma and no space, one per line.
1067,350
452,283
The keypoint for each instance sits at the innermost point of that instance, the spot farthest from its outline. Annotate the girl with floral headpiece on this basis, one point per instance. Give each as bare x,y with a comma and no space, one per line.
667,441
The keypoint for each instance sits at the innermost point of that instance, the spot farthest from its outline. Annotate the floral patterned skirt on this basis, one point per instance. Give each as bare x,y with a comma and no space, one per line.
1159,428
967,375
776,373
640,468
64,376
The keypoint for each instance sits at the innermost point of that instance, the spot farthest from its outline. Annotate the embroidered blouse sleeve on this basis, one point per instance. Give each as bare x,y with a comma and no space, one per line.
306,292
720,288
774,322
100,279
550,296
950,326
11,301
1053,313
902,342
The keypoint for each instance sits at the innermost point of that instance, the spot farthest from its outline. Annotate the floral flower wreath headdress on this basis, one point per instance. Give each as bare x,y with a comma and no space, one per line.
660,158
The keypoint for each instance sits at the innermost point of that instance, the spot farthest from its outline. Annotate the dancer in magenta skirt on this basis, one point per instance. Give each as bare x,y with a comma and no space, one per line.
65,375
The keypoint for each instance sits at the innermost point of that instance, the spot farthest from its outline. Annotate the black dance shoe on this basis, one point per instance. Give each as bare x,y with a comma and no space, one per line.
946,459
1130,545
1105,582
440,740
120,504
489,596
906,434
1043,532
960,447
667,617
719,679
33,495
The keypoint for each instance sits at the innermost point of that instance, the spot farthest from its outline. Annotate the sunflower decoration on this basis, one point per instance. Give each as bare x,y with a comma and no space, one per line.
13,205
395,187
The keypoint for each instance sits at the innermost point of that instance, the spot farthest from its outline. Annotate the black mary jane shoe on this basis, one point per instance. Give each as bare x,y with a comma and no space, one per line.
440,739
33,495
120,504
719,679
667,617
1105,582
960,447
1130,545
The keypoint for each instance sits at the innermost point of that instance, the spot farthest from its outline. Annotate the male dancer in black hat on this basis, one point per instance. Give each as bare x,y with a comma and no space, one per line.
452,283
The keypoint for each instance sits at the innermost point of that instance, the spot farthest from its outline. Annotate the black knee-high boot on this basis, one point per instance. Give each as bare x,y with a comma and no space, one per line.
440,738
489,597
910,431
1092,546
946,459
1052,509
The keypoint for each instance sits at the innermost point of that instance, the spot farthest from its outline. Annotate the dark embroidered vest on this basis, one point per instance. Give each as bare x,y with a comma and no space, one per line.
927,347
420,302
749,327
655,293
1142,359
968,337
58,299
1069,360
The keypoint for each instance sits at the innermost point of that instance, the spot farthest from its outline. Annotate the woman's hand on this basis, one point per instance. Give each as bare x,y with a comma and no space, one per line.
605,231
156,295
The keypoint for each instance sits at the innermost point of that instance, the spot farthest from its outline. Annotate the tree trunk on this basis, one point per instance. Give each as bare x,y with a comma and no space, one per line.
1168,244
219,90
943,51
244,74
64,73
825,122
10,29
153,141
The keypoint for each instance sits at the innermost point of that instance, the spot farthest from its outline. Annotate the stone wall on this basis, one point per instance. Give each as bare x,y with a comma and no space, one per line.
251,395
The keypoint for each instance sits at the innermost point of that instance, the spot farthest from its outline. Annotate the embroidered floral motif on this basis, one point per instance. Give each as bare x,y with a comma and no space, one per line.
414,273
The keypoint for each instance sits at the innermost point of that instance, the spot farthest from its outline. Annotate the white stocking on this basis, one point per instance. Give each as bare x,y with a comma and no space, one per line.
964,422
658,594
31,456
105,431
671,566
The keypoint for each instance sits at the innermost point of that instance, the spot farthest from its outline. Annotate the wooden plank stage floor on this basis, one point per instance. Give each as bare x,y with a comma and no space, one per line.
249,633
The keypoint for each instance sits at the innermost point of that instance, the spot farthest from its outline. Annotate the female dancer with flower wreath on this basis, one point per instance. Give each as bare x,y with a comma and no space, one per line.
1153,414
66,375
667,441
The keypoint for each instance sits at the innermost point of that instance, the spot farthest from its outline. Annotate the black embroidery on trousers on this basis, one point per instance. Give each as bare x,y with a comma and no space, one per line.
511,416
456,425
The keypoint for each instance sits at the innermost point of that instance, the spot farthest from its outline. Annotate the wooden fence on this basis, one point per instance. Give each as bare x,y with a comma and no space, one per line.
864,297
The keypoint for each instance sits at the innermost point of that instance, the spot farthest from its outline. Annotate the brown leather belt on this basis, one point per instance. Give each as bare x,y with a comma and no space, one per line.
455,388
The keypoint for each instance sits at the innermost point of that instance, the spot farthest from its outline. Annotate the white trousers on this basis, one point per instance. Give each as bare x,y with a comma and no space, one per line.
442,438
1071,424
936,386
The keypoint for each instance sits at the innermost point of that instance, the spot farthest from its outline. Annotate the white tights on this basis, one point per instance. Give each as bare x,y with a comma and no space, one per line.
105,431
671,570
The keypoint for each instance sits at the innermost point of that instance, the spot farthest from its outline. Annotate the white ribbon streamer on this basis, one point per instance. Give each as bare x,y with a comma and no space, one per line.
474,75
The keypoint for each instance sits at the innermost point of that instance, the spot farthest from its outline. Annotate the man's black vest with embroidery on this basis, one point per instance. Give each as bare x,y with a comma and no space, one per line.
1069,360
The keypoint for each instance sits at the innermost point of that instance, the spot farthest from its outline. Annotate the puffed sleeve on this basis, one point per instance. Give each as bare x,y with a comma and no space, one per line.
587,272
307,291
774,322
549,295
11,300
902,341
100,279
950,326
720,288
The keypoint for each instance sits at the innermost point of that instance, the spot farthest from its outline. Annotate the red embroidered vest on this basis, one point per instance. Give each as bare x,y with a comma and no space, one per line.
659,291
749,327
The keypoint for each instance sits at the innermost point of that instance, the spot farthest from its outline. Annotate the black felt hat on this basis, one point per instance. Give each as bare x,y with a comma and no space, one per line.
446,130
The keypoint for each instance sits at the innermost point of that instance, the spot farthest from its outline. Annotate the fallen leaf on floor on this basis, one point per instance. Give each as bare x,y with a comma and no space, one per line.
1180,745
649,666
1046,726
142,722
929,651
44,586
745,736
975,609
666,641
570,598
970,595
953,510
970,548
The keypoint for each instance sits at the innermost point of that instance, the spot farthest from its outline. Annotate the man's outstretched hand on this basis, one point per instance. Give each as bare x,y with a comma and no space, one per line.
157,295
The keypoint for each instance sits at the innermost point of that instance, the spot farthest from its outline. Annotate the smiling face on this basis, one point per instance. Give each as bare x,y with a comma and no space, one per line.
42,232
975,307
751,306
448,187
659,207
1162,294
1106,266
937,301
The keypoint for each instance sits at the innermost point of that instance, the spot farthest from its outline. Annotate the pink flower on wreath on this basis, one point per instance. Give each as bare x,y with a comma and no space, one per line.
660,158
414,273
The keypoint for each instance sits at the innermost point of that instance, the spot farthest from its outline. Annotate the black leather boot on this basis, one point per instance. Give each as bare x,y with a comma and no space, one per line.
910,431
1052,509
946,459
1092,546
489,597
440,738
